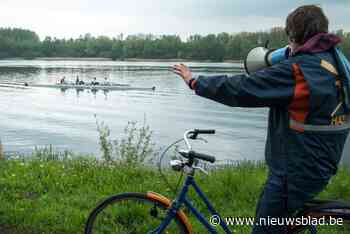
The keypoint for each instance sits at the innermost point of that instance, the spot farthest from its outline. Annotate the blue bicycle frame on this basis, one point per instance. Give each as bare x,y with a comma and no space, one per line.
182,200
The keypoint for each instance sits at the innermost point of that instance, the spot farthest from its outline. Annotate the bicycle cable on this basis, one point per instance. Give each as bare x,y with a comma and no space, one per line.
174,190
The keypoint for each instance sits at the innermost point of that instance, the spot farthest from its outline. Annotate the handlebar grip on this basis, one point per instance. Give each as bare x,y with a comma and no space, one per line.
205,131
204,157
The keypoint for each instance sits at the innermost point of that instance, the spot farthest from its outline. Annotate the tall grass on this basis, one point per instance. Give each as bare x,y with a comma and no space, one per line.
56,196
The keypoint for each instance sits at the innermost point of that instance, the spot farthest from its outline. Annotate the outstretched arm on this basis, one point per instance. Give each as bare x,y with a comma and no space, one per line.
273,86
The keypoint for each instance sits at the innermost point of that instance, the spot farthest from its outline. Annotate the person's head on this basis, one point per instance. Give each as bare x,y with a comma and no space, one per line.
304,23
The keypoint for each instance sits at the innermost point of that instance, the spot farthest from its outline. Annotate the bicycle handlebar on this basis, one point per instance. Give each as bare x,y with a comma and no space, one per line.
204,131
194,155
205,157
193,134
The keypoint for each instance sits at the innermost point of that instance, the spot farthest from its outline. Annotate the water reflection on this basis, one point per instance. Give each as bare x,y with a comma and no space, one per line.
65,118
17,73
80,91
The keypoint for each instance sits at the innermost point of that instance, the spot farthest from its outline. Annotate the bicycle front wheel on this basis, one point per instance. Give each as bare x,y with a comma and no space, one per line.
134,213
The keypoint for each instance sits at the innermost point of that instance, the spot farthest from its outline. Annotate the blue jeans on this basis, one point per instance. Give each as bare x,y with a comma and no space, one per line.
282,197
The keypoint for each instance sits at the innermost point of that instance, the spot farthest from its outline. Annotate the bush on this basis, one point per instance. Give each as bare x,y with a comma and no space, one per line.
135,148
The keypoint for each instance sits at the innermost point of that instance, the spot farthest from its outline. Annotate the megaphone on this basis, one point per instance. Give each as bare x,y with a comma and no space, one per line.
262,57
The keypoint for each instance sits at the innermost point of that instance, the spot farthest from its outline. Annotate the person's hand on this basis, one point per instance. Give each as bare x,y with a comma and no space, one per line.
183,71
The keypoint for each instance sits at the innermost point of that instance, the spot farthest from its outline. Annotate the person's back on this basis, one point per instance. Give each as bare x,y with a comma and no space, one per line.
308,122
305,135
311,119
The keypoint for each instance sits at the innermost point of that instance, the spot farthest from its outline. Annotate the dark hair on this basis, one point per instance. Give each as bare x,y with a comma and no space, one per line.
305,22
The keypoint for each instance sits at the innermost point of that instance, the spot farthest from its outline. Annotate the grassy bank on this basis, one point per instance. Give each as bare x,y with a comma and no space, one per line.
55,196
52,192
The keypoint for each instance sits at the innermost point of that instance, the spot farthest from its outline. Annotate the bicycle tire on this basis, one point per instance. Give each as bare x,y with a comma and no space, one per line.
153,201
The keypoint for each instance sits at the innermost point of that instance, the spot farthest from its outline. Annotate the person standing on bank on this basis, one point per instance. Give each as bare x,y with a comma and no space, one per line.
308,123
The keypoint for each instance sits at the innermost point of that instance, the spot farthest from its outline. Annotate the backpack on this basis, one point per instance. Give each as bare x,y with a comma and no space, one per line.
344,71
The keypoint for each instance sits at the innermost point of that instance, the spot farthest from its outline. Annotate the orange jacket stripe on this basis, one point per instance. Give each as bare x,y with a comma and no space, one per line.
300,105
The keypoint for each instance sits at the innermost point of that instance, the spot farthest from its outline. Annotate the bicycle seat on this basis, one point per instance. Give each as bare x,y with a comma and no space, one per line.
328,208
322,208
326,204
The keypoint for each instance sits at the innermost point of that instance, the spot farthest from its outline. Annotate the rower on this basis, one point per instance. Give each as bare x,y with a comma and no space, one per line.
106,82
94,82
63,80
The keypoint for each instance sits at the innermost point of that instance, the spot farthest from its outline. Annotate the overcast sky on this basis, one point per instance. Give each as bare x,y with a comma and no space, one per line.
71,18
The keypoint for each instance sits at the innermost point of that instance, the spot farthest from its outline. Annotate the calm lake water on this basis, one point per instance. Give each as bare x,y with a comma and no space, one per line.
65,119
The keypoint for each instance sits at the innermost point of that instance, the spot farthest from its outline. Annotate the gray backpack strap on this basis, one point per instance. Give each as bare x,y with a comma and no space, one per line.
343,124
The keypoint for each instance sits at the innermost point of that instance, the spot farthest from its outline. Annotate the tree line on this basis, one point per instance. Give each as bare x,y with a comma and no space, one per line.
22,43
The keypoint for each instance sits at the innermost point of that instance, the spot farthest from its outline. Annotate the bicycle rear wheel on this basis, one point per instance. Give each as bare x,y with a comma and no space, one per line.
133,213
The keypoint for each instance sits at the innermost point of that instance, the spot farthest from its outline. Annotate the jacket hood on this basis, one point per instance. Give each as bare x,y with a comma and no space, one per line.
319,43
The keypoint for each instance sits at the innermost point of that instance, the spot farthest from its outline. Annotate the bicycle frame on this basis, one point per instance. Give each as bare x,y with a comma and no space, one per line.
182,200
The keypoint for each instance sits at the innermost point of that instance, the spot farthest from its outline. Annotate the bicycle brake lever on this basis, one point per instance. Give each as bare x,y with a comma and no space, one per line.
201,169
193,136
202,139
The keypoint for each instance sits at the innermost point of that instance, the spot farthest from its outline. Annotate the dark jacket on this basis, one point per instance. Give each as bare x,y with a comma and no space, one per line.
300,93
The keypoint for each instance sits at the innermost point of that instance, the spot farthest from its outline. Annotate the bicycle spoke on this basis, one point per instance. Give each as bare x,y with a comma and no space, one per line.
132,216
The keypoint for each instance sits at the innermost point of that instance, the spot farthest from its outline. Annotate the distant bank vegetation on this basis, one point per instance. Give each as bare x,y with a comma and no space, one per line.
27,44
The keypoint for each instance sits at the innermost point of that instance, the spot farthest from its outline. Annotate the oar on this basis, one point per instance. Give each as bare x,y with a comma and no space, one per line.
13,86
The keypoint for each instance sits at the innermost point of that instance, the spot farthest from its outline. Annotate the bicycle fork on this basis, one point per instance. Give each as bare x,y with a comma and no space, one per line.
176,205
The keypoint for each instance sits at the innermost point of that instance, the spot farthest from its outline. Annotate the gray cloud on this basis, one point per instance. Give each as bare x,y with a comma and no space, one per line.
68,18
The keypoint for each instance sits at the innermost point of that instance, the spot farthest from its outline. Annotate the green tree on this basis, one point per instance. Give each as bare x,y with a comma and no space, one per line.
16,42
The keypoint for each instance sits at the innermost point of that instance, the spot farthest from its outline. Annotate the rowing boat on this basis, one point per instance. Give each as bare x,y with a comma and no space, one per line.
121,87
90,87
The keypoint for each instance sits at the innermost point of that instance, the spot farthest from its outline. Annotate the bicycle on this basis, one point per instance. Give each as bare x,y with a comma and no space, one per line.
162,215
